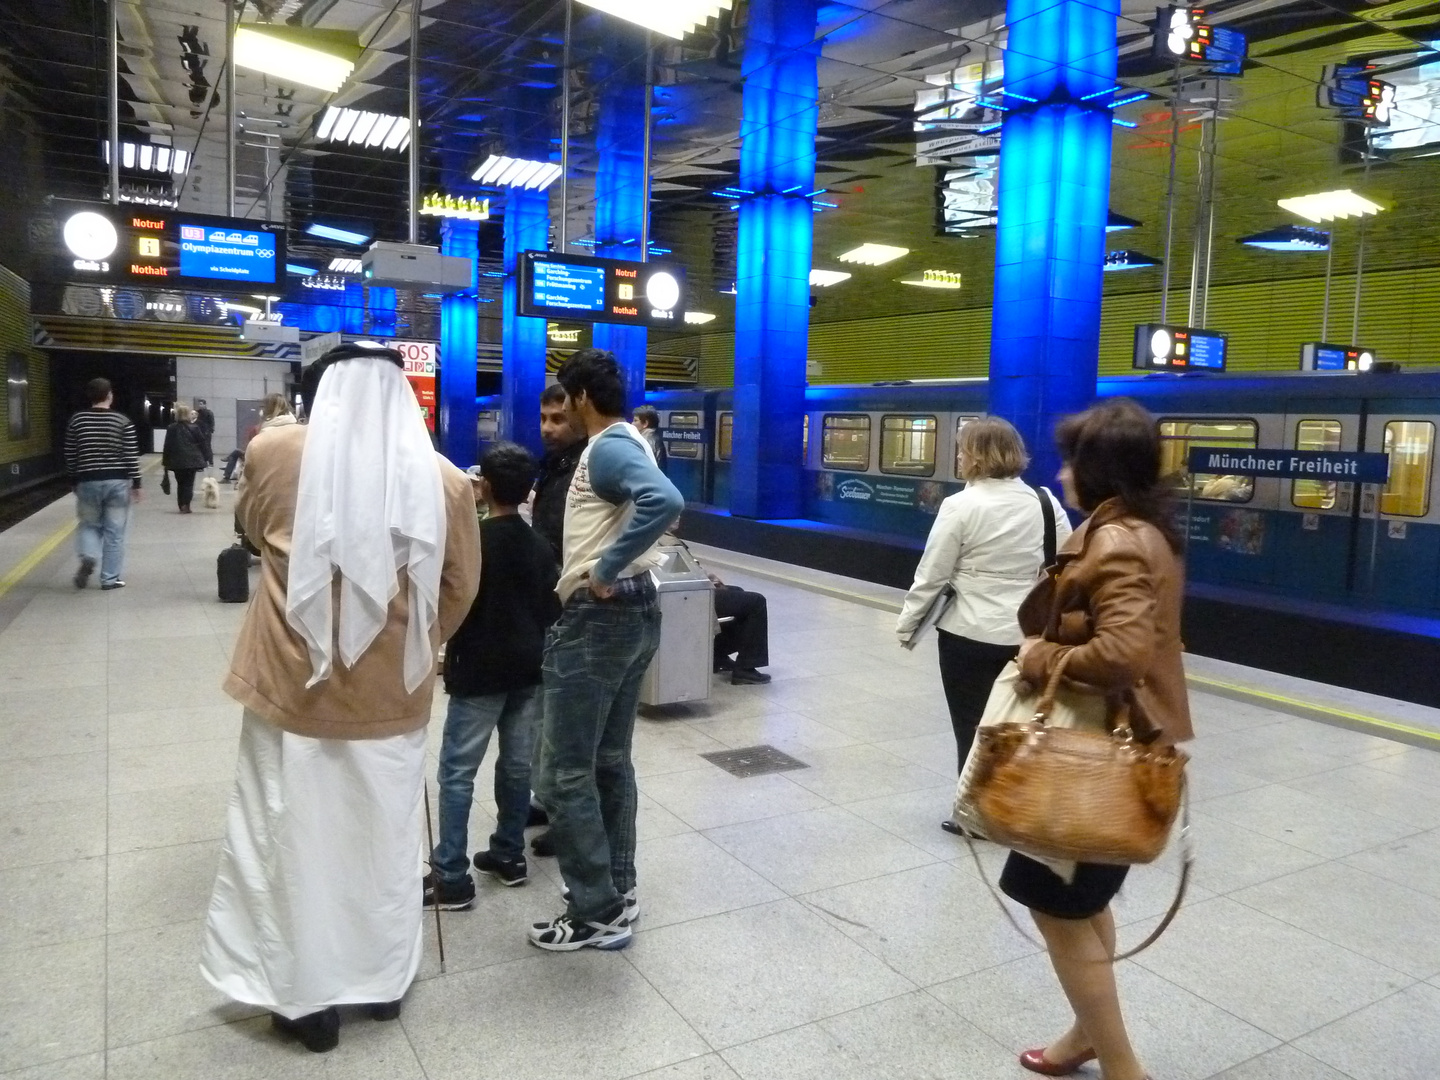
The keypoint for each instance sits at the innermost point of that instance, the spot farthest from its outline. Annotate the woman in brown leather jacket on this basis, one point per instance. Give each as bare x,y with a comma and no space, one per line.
1113,603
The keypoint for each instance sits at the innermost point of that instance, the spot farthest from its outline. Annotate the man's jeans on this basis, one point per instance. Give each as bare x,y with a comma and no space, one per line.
468,724
103,507
595,659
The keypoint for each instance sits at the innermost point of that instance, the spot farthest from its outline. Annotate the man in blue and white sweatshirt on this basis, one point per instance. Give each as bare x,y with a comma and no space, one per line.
618,507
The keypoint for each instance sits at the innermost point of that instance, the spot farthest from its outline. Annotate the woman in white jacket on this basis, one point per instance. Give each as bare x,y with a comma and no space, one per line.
988,543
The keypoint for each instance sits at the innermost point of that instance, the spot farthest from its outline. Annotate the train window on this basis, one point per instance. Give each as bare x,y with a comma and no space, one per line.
1411,446
907,445
960,422
1316,435
725,436
845,442
1179,437
683,421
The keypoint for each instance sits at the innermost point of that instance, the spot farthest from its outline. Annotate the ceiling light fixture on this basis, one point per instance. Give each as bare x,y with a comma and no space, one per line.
823,279
149,158
303,271
673,18
363,128
699,318
330,232
934,279
874,254
455,206
1128,260
1289,238
345,266
1330,205
501,171
323,59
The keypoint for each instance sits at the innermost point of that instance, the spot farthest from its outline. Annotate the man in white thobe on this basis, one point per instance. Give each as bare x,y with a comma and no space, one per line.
370,558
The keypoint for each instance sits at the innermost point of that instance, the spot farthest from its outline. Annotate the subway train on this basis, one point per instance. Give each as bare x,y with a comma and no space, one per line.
879,460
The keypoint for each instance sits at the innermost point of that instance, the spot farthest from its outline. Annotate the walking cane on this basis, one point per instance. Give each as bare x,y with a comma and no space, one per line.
435,878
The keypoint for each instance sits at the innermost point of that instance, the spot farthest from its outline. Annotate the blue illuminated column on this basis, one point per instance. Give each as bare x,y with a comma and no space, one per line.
527,228
455,383
772,301
1054,191
620,196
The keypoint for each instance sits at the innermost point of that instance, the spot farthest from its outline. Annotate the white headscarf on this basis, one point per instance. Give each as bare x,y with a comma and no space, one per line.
370,502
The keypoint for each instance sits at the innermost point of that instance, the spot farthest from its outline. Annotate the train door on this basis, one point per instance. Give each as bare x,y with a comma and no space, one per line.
1397,559
1314,528
685,438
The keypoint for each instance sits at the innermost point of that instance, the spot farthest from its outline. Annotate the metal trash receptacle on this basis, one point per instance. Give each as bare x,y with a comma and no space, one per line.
682,666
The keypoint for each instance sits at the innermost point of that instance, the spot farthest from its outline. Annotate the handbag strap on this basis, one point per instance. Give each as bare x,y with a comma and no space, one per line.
1047,509
1187,854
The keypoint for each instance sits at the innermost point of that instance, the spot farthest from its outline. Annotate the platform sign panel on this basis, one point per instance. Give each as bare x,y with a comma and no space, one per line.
1318,356
145,245
582,288
1163,347
1343,466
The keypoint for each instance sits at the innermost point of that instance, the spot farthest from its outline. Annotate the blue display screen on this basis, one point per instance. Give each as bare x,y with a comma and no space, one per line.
1227,51
568,286
227,254
1207,352
1329,359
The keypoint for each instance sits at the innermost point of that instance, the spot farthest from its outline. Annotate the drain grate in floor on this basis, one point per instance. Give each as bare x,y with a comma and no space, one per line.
754,761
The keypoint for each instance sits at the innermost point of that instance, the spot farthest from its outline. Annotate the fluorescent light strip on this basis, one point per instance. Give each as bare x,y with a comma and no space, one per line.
303,271
1330,205
673,18
500,171
329,232
873,254
327,123
290,61
823,279
149,157
699,318
363,123
345,266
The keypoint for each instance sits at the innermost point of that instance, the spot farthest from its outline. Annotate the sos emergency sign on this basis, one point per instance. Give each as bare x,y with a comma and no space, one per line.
420,357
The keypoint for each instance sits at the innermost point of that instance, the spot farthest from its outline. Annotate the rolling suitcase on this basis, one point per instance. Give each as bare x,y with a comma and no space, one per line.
232,569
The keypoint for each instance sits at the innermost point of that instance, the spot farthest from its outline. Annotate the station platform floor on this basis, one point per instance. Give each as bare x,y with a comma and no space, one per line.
812,924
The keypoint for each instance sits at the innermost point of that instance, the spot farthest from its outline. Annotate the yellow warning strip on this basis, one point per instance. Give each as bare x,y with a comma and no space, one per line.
36,557
1293,705
1359,719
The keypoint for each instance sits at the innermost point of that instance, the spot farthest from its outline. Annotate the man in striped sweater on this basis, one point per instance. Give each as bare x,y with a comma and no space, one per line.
103,463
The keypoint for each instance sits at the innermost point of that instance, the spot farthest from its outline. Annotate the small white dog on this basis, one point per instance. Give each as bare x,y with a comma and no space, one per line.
210,492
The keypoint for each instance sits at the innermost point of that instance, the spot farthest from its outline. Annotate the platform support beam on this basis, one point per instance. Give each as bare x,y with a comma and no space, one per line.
1054,193
772,302
455,382
622,190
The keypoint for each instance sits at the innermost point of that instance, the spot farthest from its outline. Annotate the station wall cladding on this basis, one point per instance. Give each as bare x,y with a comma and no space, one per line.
1266,321
26,438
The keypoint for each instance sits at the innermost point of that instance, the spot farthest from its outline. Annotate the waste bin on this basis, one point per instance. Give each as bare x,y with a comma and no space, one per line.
682,665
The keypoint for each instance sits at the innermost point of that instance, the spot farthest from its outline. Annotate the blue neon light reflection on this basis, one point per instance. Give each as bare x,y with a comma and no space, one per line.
329,232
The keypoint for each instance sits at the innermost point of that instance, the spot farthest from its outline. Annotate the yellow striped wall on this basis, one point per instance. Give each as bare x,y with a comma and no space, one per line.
15,337
1266,321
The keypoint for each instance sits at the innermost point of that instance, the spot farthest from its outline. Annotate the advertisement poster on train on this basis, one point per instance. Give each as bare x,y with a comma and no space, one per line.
1241,532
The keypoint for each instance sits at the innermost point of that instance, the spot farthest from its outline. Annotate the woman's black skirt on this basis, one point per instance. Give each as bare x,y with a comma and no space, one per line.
1041,889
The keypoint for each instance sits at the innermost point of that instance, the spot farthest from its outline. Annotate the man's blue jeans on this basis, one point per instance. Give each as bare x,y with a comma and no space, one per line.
468,724
103,507
595,659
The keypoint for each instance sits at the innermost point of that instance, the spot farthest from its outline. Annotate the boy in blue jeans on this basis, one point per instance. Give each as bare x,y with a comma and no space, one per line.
492,674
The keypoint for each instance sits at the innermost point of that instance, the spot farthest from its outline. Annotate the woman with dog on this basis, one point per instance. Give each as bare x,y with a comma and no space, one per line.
186,451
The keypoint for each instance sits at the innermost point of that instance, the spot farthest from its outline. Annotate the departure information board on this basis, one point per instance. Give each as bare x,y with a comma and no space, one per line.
1160,347
582,288
106,244
1318,356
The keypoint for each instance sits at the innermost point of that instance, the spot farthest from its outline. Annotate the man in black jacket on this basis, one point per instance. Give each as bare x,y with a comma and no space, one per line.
563,446
206,421
492,674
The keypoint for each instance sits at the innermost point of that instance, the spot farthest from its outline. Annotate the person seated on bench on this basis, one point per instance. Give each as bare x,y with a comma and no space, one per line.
743,643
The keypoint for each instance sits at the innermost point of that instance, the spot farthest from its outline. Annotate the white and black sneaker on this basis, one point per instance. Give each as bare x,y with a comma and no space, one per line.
564,934
632,905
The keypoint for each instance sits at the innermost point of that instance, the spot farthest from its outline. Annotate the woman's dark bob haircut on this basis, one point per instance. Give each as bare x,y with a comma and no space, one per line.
1113,450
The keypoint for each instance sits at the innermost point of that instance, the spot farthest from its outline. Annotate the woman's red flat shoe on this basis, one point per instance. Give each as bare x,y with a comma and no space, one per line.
1037,1062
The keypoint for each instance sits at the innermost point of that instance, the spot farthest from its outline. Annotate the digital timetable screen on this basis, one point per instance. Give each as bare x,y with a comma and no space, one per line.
145,245
583,288
568,286
1162,347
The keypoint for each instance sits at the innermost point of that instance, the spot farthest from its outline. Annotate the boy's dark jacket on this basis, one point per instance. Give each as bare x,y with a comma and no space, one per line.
502,641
